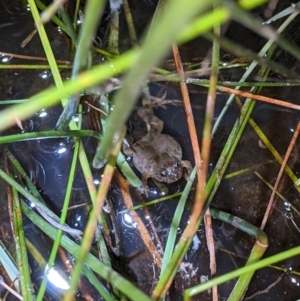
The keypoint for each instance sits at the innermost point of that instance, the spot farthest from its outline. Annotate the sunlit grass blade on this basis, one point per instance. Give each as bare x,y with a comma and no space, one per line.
82,58
160,33
46,45
51,96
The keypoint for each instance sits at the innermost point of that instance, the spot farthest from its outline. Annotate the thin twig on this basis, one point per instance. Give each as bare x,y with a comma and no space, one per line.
31,58
270,100
211,98
28,38
211,250
200,198
148,241
11,290
188,109
95,108
197,158
266,290
286,157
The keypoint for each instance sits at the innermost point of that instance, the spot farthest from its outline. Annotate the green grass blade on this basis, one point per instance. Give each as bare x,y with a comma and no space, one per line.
22,259
48,135
97,266
175,222
63,217
51,96
97,284
9,266
249,70
46,45
87,33
70,32
246,269
160,33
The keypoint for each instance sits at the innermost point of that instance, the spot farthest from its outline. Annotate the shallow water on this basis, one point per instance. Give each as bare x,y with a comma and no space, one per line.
47,162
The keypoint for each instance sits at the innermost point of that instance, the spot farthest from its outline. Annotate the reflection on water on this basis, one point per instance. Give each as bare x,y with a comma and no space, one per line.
128,221
56,279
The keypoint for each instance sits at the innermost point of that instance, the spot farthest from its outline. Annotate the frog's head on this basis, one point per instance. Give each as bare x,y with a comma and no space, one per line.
169,169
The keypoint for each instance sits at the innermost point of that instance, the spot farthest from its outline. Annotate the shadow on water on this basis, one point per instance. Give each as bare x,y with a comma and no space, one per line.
47,163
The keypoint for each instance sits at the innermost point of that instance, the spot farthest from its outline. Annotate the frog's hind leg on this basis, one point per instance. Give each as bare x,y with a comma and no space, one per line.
163,189
144,189
187,164
128,148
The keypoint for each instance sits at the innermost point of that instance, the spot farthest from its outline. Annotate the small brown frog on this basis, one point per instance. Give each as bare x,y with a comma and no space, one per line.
157,155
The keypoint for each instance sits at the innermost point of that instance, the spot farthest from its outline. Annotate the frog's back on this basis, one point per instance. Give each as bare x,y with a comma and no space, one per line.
157,152
166,144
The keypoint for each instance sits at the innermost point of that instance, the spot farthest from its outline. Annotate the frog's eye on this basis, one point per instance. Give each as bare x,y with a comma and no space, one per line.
176,164
164,172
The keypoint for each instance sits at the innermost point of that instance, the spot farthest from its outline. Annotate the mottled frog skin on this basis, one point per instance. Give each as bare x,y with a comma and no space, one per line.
157,155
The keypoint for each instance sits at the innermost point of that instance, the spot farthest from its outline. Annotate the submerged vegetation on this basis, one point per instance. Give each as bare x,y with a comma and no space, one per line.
103,87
